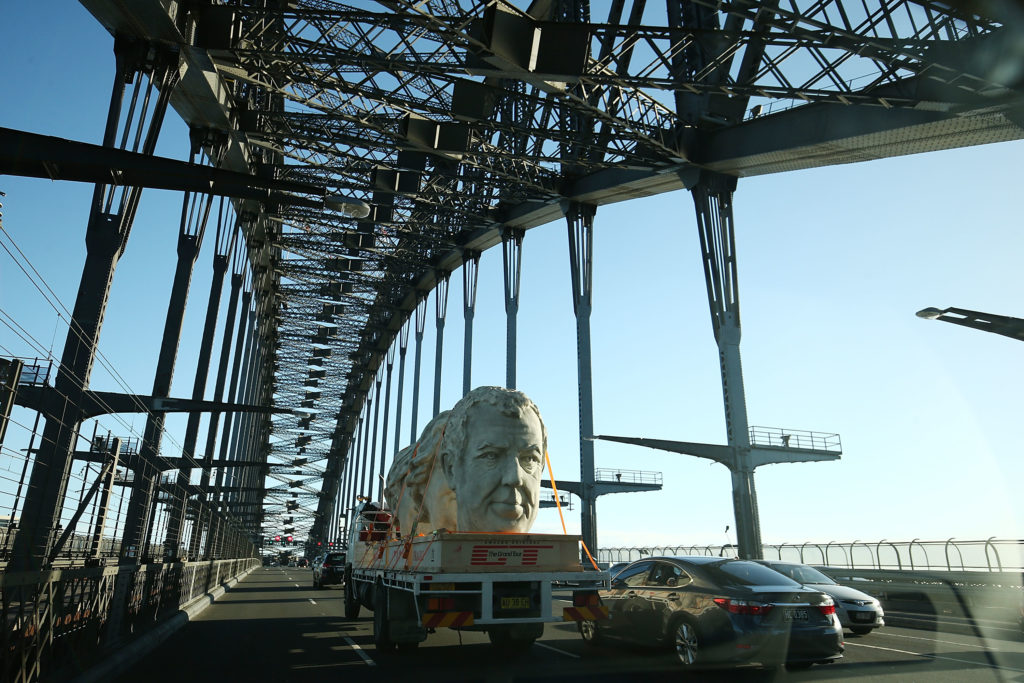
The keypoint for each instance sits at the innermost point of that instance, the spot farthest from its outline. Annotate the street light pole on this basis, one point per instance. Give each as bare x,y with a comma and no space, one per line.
988,322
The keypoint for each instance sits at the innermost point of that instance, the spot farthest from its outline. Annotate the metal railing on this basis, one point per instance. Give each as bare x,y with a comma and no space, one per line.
990,555
57,623
627,476
795,438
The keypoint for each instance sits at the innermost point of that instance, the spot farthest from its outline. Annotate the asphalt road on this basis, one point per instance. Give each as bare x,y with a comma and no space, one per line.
273,626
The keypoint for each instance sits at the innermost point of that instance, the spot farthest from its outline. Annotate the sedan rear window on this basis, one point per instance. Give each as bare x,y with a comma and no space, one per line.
335,557
745,573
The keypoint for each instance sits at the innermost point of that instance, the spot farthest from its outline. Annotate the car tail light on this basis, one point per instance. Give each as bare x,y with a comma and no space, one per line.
585,599
326,565
828,607
751,607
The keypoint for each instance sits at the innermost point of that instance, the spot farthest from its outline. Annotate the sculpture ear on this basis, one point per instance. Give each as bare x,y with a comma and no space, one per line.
448,467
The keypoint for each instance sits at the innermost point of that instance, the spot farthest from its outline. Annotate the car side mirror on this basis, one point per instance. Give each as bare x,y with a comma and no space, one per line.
618,583
671,581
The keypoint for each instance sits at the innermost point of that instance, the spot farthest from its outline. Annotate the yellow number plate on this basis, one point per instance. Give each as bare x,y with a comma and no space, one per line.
515,603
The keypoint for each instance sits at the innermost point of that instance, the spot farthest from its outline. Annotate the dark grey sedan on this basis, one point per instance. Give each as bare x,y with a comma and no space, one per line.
330,570
716,611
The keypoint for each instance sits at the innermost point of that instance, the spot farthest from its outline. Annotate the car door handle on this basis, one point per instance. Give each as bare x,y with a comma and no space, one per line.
631,594
672,596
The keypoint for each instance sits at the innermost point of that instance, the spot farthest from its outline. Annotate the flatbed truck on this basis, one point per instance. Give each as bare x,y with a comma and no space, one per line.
499,583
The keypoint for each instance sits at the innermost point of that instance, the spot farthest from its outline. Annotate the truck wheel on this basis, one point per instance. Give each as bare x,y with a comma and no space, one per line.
507,644
381,636
351,604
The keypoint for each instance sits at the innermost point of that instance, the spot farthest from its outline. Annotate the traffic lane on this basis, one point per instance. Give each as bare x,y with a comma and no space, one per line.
452,655
271,626
894,655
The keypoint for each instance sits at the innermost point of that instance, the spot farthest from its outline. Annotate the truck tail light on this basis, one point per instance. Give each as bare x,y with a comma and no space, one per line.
440,604
585,599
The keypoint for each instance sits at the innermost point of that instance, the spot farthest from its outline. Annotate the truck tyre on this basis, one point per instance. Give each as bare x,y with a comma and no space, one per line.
381,635
351,603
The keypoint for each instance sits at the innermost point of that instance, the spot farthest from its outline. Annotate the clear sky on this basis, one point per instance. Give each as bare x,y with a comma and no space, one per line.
833,264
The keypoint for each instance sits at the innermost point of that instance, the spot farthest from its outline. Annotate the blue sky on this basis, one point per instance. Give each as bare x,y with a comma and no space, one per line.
833,263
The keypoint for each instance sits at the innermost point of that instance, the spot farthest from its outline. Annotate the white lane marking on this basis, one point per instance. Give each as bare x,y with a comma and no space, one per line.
555,649
359,650
311,600
939,657
935,640
296,585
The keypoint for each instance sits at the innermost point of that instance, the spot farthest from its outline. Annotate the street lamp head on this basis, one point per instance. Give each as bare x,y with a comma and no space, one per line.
353,208
929,313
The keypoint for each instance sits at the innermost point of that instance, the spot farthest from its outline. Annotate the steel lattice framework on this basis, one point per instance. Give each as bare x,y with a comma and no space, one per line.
456,119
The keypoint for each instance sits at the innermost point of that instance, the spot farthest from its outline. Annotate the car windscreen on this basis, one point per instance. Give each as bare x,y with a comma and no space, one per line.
743,573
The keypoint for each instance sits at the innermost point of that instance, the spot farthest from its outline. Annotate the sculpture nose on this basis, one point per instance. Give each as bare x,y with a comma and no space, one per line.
510,473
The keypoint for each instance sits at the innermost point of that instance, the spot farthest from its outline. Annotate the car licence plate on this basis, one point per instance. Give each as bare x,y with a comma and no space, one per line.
515,602
863,616
795,615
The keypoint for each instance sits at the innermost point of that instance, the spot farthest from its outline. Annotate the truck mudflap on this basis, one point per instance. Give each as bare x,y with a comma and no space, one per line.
586,606
447,619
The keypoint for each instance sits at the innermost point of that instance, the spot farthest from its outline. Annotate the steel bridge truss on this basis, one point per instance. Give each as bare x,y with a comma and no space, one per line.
462,121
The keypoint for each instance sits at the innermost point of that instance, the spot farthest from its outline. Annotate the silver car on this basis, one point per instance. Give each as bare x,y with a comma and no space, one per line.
856,610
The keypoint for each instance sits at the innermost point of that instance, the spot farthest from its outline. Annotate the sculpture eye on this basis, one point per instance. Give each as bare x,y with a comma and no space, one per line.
530,462
490,455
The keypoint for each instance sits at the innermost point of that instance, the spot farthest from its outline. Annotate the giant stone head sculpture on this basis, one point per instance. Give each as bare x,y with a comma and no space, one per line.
475,468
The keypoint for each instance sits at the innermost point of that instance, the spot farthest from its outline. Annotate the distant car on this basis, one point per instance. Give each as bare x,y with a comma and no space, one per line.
717,611
302,562
331,570
857,611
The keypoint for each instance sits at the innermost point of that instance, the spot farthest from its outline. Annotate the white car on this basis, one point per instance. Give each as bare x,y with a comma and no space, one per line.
856,610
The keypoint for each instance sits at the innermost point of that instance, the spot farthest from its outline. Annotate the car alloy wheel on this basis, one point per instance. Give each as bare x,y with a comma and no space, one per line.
687,643
589,632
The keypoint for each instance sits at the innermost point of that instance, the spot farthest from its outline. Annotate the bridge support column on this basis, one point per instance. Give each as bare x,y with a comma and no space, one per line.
384,431
712,197
188,250
440,311
96,546
371,487
421,320
580,218
512,257
470,268
238,284
195,212
220,265
364,460
403,344
110,220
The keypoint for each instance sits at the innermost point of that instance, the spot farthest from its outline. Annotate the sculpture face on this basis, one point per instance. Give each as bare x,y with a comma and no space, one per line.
496,478
438,505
